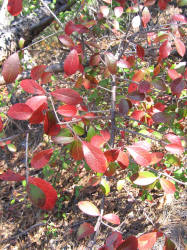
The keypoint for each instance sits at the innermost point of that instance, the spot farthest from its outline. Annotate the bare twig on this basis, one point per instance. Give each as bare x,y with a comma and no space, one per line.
26,157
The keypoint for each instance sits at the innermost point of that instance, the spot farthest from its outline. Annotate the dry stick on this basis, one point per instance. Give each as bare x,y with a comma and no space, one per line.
26,158
23,233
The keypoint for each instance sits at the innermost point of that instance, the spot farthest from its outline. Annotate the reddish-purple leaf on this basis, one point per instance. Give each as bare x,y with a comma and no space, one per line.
11,68
67,110
85,230
159,84
124,106
168,186
37,71
118,11
95,60
165,49
149,2
136,96
71,27
181,49
67,95
97,141
173,138
131,243
140,51
113,240
144,87
9,175
36,101
111,155
88,208
112,218
163,4
177,86
20,111
71,63
50,124
38,114
41,158
111,63
179,18
161,117
14,7
66,41
146,16
94,157
147,241
76,150
32,87
174,148
1,124
50,195
140,155
156,157
123,159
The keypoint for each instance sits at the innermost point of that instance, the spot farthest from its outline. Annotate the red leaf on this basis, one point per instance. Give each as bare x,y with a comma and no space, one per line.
162,4
181,49
168,186
177,86
71,27
143,144
9,175
67,110
131,243
85,229
169,245
36,101
94,157
95,60
38,114
48,190
111,63
88,208
156,157
37,71
123,159
144,87
156,70
76,150
32,87
165,49
140,155
14,7
50,124
20,111
138,114
112,218
41,158
173,138
45,77
140,51
138,76
179,18
94,181
105,134
66,41
174,148
97,141
146,16
113,240
67,95
159,106
1,124
11,68
111,155
149,2
118,11
147,241
71,63
161,38
173,74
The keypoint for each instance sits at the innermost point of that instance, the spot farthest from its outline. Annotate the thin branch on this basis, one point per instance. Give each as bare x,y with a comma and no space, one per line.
113,104
26,157
172,178
113,228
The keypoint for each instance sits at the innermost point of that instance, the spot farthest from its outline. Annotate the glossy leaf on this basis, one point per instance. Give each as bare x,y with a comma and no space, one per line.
9,175
168,186
174,148
50,124
94,157
173,74
36,101
145,178
111,155
97,141
112,218
14,7
41,158
38,115
71,63
63,140
67,110
165,49
67,95
85,230
181,49
147,241
118,11
131,243
37,72
88,208
11,68
140,155
111,63
179,18
20,111
66,41
146,16
32,87
47,202
173,138
123,159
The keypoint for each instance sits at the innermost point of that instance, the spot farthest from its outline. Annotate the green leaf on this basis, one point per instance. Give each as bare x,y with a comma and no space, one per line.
144,178
120,185
36,195
105,186
12,148
91,132
78,130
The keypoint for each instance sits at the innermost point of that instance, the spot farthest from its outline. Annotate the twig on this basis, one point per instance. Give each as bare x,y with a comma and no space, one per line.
113,228
26,157
172,178
113,102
